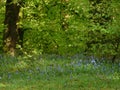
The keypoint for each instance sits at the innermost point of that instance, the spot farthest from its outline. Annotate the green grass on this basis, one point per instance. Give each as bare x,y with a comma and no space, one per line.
36,73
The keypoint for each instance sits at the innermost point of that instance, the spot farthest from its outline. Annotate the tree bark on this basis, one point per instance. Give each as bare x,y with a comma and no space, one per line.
10,37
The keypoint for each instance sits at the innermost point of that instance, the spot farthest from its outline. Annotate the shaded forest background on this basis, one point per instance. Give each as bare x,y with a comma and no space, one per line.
62,27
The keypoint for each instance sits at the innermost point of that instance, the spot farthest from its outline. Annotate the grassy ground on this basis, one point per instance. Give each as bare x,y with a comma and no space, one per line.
40,73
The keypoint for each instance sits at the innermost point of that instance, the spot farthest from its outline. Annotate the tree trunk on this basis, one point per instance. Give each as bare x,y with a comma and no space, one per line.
10,37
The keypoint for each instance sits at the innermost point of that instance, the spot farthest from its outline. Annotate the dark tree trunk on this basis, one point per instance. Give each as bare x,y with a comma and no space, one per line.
21,36
10,37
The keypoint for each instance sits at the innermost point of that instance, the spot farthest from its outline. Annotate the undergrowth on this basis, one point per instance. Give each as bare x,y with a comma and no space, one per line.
57,73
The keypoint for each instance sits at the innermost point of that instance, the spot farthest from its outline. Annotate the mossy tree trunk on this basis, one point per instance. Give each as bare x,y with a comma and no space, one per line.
10,37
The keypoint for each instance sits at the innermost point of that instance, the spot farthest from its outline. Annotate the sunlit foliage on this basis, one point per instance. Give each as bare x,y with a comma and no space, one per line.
67,27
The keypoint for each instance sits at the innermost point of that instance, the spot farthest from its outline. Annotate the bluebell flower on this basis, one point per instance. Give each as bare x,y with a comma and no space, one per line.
30,71
17,72
28,77
9,75
59,68
38,68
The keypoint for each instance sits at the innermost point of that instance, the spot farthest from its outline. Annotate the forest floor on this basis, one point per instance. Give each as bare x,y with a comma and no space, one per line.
38,73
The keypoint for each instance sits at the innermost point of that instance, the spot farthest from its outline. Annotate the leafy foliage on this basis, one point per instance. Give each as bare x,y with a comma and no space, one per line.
67,27
1,22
